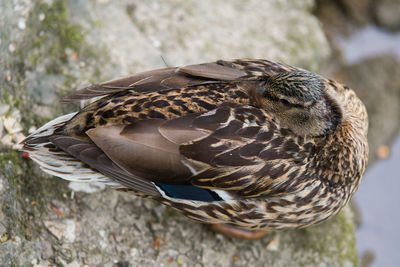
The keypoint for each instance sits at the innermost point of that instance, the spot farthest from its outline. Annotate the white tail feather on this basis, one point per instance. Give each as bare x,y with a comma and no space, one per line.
59,163
48,128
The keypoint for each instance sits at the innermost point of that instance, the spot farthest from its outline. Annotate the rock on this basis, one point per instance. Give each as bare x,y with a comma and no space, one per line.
345,14
387,14
367,259
120,38
332,17
343,17
41,86
358,10
73,264
191,32
86,187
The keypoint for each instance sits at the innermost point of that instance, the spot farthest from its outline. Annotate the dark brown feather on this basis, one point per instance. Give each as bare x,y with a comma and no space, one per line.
181,130
213,71
141,147
226,153
118,85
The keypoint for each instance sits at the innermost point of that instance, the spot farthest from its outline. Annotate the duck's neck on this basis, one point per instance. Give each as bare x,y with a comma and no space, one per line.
345,150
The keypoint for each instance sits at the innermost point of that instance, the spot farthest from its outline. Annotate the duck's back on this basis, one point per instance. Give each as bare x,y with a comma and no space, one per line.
207,139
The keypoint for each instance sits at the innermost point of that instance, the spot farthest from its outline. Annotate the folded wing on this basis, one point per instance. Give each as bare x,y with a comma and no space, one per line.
232,148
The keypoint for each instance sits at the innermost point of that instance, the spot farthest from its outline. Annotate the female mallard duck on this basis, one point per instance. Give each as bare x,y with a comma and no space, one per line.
253,144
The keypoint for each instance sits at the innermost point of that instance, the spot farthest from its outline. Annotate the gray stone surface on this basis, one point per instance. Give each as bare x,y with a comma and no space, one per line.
50,46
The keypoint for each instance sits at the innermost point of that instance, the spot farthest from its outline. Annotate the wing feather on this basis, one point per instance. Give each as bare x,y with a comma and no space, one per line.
142,146
233,148
213,71
242,155
156,80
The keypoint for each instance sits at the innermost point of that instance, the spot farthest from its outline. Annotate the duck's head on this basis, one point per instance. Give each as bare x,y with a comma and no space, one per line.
301,102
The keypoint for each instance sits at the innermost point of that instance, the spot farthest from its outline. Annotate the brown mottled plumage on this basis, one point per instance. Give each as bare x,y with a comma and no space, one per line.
252,143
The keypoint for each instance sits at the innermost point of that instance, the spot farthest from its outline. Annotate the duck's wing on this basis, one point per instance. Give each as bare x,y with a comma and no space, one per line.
156,80
232,149
170,78
246,154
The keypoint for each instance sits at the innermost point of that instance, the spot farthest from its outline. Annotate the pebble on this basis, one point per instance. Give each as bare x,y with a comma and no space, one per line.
172,252
1,128
21,24
156,43
182,260
103,243
17,240
12,47
12,125
32,129
383,152
273,245
1,183
4,108
62,229
134,253
102,233
7,140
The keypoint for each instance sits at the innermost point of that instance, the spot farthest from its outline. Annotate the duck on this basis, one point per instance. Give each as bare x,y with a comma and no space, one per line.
247,145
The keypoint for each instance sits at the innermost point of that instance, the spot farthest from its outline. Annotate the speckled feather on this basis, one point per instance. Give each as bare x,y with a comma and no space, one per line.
243,130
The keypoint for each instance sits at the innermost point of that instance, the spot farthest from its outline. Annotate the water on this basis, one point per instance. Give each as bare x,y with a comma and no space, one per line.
378,199
369,42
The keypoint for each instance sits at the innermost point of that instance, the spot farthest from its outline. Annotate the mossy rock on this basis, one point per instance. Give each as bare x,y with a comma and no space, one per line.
68,44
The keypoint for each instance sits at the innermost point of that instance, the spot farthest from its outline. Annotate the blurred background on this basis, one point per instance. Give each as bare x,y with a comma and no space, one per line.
48,48
365,37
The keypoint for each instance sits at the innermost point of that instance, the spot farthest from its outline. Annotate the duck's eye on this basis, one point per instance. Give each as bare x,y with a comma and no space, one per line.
284,101
287,103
